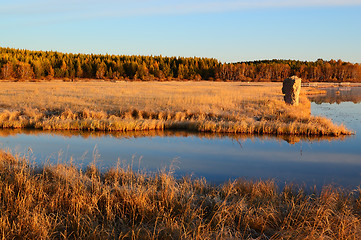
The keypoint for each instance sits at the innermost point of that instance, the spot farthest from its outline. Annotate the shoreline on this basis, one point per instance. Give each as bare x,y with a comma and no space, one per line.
193,106
135,120
61,201
4,132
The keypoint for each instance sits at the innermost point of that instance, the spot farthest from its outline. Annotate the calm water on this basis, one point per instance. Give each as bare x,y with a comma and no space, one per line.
216,157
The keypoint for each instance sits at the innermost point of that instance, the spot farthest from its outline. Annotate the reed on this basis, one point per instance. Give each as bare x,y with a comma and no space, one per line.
195,106
61,201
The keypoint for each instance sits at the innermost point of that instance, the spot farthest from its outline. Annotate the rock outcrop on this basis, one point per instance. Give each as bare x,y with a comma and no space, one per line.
291,89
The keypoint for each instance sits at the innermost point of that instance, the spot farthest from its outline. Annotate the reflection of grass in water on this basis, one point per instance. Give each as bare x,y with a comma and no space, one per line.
338,95
172,133
59,201
202,107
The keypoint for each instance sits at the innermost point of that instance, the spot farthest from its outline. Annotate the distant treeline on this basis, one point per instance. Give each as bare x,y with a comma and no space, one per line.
18,64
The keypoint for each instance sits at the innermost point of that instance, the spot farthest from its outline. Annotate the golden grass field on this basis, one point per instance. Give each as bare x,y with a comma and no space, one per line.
62,202
231,107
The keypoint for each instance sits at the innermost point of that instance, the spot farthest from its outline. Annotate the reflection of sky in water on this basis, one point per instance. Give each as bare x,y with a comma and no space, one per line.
217,159
338,95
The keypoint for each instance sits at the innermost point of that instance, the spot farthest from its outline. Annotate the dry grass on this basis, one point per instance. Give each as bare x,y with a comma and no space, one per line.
128,106
62,202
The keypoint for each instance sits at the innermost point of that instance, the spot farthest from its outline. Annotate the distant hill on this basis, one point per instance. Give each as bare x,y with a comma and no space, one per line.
17,64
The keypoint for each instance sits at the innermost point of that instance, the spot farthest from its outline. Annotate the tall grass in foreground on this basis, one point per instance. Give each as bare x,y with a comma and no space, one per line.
62,202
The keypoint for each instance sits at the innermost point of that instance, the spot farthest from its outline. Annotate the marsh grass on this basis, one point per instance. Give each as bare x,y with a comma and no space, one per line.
63,202
193,106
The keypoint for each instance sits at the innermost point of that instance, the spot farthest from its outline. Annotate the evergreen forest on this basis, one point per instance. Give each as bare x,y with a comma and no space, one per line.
21,65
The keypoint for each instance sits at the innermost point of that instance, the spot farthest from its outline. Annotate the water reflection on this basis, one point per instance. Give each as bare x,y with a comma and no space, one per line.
217,157
291,139
339,95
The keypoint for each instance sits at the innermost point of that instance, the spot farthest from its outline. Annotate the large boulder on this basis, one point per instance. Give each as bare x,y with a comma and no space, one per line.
291,89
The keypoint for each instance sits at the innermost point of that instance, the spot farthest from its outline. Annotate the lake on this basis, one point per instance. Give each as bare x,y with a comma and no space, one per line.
216,157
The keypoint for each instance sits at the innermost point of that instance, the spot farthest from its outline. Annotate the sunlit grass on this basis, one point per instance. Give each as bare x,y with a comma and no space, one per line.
61,201
133,106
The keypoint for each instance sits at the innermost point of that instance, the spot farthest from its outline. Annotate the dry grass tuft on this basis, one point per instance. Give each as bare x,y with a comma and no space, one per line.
193,106
60,201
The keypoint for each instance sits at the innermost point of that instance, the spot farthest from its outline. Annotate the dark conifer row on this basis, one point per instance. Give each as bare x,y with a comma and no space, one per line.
18,64
278,70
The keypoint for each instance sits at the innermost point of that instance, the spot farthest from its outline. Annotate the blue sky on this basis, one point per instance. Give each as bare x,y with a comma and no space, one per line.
229,30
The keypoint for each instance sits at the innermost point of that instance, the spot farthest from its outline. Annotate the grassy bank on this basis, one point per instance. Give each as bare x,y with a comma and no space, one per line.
60,201
131,106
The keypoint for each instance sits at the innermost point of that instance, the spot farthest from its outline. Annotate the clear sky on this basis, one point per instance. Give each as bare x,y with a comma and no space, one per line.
229,30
